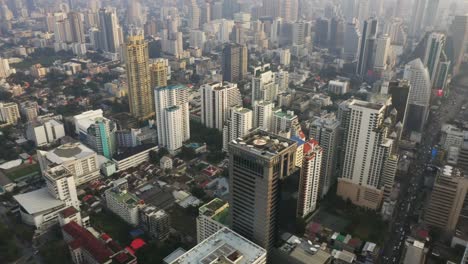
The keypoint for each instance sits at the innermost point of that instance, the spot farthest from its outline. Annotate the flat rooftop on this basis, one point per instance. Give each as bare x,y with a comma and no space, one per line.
67,152
125,197
263,143
368,104
224,244
38,201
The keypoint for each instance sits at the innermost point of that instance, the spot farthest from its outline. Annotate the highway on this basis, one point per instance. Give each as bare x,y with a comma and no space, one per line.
408,201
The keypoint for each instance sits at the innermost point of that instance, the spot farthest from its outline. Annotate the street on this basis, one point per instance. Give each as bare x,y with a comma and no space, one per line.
410,189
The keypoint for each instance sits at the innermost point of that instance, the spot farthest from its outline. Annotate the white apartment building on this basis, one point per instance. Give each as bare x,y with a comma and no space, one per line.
9,113
124,204
86,119
366,150
211,218
338,86
382,53
217,98
452,136
263,115
285,123
133,157
310,178
264,86
325,130
45,130
172,116
238,125
40,208
81,161
227,246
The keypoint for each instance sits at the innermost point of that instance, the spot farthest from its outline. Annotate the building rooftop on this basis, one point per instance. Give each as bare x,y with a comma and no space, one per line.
223,245
129,199
58,172
217,209
37,201
133,151
287,115
370,105
68,152
263,143
171,87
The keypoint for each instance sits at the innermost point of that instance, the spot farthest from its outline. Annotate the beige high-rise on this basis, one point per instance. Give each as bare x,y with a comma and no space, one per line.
158,73
138,77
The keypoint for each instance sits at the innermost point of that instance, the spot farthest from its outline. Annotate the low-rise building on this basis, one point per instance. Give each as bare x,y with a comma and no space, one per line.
45,130
212,217
414,252
165,163
134,156
156,221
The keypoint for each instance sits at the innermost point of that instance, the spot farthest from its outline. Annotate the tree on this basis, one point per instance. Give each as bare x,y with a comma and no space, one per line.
215,157
156,156
198,192
187,153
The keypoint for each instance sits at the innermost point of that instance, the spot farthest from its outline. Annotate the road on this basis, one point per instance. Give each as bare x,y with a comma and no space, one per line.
408,201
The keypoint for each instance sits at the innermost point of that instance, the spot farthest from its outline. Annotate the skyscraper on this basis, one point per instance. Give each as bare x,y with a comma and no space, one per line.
430,14
382,51
237,126
325,130
110,33
101,137
172,116
353,41
458,33
158,73
289,10
310,178
75,20
194,15
257,164
366,150
434,47
419,97
400,90
217,99
366,49
138,76
234,62
417,18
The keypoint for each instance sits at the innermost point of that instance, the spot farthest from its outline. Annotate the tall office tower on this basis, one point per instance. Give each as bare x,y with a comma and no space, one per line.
382,52
234,62
110,32
366,150
442,73
264,87
172,116
263,115
299,33
349,10
205,13
101,137
285,123
229,8
326,131
61,185
275,31
9,113
75,21
363,11
376,8
217,99
158,73
194,15
135,15
351,46
417,18
257,164
458,33
434,47
322,28
419,96
448,200
138,76
62,31
400,91
310,178
197,39
366,48
289,10
271,8
282,80
430,14
237,125
337,31
212,217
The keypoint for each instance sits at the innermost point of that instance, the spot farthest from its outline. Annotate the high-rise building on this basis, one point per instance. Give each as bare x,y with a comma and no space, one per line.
382,52
234,62
257,164
159,71
434,48
271,8
400,90
282,80
138,76
5,69
417,18
110,33
75,21
264,87
237,125
100,136
263,115
156,221
353,41
310,178
458,33
285,123
430,14
172,116
225,246
9,113
419,97
366,149
325,130
123,203
217,98
366,49
448,198
289,10
45,130
194,15
29,110
212,217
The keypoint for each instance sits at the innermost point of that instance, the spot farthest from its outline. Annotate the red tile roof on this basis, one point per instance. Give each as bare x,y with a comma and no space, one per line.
87,241
69,211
